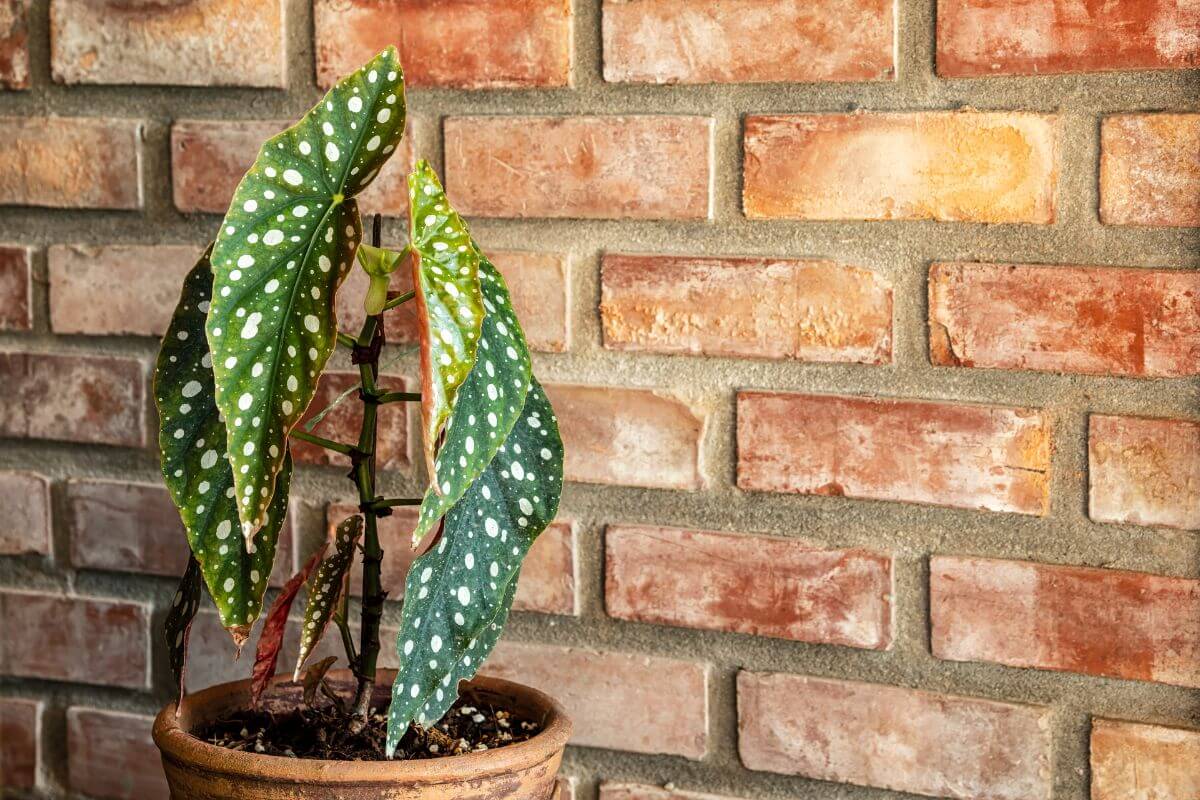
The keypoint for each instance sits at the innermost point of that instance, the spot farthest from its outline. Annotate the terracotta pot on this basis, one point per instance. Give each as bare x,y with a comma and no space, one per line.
200,771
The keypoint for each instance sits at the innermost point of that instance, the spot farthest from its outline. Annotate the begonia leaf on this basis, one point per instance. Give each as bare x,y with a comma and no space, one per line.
326,587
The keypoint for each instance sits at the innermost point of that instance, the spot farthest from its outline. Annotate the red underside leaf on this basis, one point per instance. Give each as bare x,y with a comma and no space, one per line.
271,640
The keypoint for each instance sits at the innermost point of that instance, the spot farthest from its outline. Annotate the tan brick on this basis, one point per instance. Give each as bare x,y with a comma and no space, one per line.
1144,471
20,742
1091,320
213,659
636,437
636,791
104,642
494,45
110,756
637,167
743,583
71,162
16,281
344,422
893,737
1144,762
14,44
25,523
947,454
1149,169
752,307
950,166
751,41
181,43
73,398
1073,619
618,701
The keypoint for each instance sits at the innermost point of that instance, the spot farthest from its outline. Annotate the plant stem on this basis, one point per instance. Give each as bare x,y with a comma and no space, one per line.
397,397
321,441
395,301
346,340
392,502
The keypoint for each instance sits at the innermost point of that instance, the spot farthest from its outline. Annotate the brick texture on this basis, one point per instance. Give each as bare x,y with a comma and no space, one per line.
1144,471
71,162
344,422
110,756
1076,619
20,742
1150,169
16,313
1143,762
634,791
25,524
14,44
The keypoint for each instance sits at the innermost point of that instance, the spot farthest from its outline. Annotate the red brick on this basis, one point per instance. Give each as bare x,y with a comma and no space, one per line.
104,642
916,451
618,701
1041,37
72,398
636,437
25,524
635,791
753,307
16,280
1150,169
449,43
1144,762
71,162
20,742
1073,619
752,41
893,737
14,44
954,166
742,583
1144,471
1091,320
110,756
344,422
182,43
637,167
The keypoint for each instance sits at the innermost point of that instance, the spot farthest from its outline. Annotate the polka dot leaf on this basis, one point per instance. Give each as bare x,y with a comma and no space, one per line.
178,624
284,247
457,595
192,444
326,587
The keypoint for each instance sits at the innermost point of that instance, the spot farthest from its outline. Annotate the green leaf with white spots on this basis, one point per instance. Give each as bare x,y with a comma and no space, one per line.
192,442
286,243
178,625
457,596
326,587
449,302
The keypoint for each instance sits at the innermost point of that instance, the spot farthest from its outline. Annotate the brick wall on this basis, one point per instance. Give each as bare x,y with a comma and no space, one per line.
873,326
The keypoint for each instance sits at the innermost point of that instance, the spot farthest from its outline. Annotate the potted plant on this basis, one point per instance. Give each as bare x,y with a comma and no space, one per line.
237,370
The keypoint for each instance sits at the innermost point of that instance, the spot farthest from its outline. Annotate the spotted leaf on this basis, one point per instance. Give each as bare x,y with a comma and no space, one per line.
326,587
457,596
178,625
270,641
192,443
286,243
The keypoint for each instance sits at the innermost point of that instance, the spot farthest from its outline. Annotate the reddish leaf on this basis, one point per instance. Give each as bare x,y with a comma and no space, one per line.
271,640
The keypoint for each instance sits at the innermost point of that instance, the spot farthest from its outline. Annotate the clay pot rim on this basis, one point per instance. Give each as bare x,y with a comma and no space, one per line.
181,746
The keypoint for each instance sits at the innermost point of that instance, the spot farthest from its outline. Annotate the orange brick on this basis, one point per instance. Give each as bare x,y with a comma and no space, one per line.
1150,170
951,166
25,524
638,167
71,162
635,791
1073,619
20,742
110,755
1093,320
463,45
1144,471
947,454
1144,762
753,307
14,44
15,283
344,422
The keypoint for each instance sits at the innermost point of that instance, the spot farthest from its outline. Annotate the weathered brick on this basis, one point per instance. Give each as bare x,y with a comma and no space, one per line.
14,44
636,167
344,422
1092,320
893,737
637,437
110,756
213,659
20,742
755,307
698,41
1144,471
105,642
25,524
1150,169
16,280
1131,761
1073,619
916,451
182,43
1018,37
493,45
72,398
636,791
742,583
71,162
962,166
618,701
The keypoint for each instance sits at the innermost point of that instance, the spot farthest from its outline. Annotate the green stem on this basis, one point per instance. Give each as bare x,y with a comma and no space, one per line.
392,502
321,441
345,340
399,397
395,301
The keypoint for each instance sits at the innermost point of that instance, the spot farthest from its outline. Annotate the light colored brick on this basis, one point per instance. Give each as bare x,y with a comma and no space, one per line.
947,454
20,742
1073,619
636,791
71,162
636,437
752,307
14,44
1144,471
636,167
954,166
1149,169
181,43
749,41
25,523
110,756
16,281
1131,761
1092,320
344,422
744,583
213,659
894,738
444,43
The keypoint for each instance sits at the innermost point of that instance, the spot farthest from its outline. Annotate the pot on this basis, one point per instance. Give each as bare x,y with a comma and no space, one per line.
197,770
